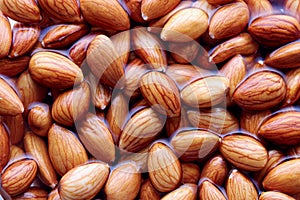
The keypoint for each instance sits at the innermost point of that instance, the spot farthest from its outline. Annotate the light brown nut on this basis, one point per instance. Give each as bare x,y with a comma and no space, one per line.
4,147
26,11
270,91
141,130
106,14
149,49
161,92
284,178
282,128
259,8
154,9
54,195
185,25
96,138
208,191
186,191
250,120
123,182
63,11
205,92
229,20
104,61
190,173
71,105
134,7
216,169
184,53
194,145
25,36
275,30
240,187
16,127
271,195
285,57
54,70
175,123
18,176
12,67
242,44
292,7
65,149
163,164
205,6
16,153
244,152
140,158
37,148
33,193
39,119
148,192
122,43
63,35
218,120
293,87
84,181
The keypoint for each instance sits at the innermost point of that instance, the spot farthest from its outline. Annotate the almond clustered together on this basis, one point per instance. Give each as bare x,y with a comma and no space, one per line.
150,99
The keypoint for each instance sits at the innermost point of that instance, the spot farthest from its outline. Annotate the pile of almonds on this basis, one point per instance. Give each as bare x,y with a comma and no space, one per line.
150,99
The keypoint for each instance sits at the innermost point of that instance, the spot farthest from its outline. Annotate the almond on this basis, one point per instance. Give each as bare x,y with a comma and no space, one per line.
16,127
140,158
71,105
259,8
293,87
123,182
60,36
229,20
54,70
284,177
161,92
141,130
281,128
26,11
96,137
36,147
173,124
148,192
186,191
54,195
284,57
208,191
275,30
250,120
244,152
63,11
154,9
65,150
33,192
292,7
205,92
106,14
16,153
240,187
6,35
149,48
190,173
134,7
12,67
104,61
10,103
270,91
122,45
24,38
84,181
205,6
4,147
18,176
216,169
163,164
271,195
184,53
185,25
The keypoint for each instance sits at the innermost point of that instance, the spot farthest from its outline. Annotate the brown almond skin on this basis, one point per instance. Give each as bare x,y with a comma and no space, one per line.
190,173
16,127
269,93
4,147
194,145
122,43
33,193
284,178
96,138
293,87
175,123
24,38
15,153
36,147
186,191
134,7
281,128
161,92
106,14
286,56
124,182
63,11
148,192
250,120
259,8
240,187
275,30
244,152
140,158
54,70
229,20
71,105
292,7
271,195
26,11
72,152
216,169
184,53
162,164
12,67
208,191
18,176
54,195
61,36
90,177
6,35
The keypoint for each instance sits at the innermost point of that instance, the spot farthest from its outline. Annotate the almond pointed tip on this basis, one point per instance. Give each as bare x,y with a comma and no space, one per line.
145,17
